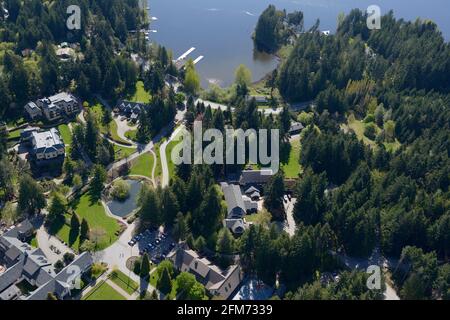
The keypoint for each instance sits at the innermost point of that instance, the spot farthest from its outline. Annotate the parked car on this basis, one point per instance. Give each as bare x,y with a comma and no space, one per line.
131,243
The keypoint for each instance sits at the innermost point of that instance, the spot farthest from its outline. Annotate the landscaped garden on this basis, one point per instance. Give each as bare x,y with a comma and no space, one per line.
103,291
104,230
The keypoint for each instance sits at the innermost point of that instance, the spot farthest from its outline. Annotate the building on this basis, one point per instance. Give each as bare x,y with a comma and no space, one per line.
219,283
238,206
47,145
54,108
255,177
131,110
29,275
34,112
296,128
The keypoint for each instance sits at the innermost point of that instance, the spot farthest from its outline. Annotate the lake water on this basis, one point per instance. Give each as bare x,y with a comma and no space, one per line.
220,30
124,208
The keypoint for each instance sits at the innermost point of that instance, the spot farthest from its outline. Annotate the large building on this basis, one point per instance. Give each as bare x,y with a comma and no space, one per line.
45,145
218,282
238,206
28,275
54,108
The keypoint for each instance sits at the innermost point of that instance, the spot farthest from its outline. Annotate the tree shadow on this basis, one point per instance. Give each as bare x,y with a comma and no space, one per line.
54,227
285,150
73,236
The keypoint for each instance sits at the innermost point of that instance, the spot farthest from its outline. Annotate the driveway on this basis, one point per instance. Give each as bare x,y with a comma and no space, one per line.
162,150
47,242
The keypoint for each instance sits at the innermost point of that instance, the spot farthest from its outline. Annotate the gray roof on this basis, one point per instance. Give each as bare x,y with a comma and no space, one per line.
296,126
233,197
251,190
210,275
11,293
47,141
237,226
255,176
33,264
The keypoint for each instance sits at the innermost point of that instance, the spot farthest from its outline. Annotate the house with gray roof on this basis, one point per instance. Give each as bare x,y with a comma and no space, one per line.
237,207
29,267
218,282
45,145
54,107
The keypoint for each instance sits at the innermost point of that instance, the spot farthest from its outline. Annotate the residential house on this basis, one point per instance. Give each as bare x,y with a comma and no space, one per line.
296,128
218,282
28,267
54,107
34,112
237,207
45,145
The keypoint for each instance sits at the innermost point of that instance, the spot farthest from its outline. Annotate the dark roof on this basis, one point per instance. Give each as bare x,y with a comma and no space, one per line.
249,177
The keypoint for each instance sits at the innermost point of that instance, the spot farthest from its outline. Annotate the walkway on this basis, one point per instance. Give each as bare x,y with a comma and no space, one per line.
162,151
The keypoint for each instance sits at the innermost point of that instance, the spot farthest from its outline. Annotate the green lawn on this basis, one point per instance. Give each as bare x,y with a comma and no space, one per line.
14,135
123,152
293,168
143,165
141,95
66,135
103,291
131,134
97,219
359,126
64,235
169,149
261,218
123,281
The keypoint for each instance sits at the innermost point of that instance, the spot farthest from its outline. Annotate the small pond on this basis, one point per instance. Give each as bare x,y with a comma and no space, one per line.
124,208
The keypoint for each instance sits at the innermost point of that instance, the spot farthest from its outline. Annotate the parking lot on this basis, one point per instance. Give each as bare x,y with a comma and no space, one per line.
153,242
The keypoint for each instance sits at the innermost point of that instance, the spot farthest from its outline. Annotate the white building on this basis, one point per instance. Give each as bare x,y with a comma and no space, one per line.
47,145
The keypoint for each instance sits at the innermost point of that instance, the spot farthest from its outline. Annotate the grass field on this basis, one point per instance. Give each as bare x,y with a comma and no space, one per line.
260,218
169,149
66,135
123,152
103,291
141,95
64,235
14,135
292,169
359,126
131,134
143,165
123,281
97,219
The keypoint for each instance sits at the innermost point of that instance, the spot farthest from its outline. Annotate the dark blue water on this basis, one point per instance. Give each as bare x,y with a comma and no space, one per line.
123,209
221,29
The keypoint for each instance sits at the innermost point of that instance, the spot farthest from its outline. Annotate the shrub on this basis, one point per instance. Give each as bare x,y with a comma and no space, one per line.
120,190
370,131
